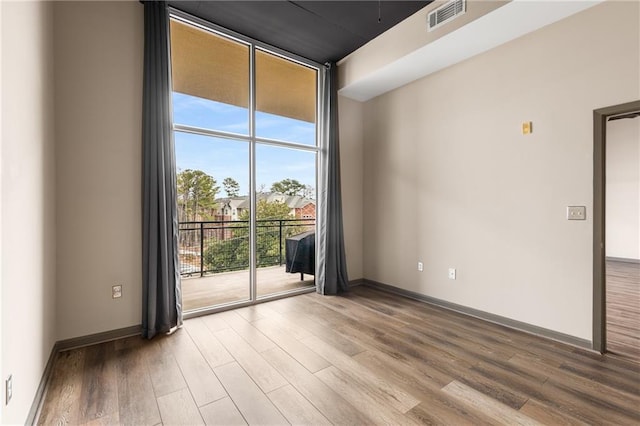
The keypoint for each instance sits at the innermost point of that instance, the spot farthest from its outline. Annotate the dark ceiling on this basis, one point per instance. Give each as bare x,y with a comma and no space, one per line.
318,30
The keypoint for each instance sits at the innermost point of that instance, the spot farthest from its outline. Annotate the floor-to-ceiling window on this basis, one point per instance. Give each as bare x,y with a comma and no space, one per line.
246,136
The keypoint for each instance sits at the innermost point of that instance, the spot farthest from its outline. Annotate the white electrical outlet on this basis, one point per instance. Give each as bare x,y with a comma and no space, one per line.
420,267
116,291
452,273
576,213
8,389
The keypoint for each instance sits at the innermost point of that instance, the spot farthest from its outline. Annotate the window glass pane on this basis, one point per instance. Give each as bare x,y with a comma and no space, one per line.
285,129
213,211
207,114
286,98
210,76
296,168
285,217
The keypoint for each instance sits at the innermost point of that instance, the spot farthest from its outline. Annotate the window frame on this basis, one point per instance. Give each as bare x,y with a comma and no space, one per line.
253,140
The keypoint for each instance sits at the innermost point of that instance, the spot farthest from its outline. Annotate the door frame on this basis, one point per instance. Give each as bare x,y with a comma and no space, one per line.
600,118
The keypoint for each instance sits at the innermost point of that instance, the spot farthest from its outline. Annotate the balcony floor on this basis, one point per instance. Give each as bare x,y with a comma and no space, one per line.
217,289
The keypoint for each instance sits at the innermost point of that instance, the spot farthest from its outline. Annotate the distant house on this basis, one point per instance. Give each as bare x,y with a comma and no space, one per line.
232,208
302,208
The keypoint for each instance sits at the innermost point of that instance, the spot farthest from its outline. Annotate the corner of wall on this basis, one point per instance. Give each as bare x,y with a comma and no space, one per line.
351,122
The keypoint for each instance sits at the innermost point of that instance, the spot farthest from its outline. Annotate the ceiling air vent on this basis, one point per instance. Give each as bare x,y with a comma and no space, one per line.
445,13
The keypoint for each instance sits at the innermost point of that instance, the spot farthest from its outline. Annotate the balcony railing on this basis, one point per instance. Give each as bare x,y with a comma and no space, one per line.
223,246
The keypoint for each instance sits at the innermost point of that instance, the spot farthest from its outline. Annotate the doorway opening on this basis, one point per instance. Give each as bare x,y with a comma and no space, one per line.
616,262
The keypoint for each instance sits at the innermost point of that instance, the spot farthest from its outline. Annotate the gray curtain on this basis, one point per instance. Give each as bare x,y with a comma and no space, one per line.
161,298
332,277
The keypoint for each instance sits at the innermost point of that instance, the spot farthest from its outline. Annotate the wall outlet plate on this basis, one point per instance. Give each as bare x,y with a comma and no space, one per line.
576,213
420,266
8,389
116,291
452,273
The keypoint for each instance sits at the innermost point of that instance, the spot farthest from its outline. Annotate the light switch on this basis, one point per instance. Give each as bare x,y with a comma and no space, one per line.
576,213
527,127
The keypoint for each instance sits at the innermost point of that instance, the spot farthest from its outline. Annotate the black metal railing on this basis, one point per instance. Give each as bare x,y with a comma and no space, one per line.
223,246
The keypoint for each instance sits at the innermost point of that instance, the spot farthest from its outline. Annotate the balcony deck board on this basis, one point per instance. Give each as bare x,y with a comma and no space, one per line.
227,287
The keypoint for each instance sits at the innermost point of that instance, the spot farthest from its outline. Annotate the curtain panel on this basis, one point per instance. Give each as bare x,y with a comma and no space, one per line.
332,277
161,303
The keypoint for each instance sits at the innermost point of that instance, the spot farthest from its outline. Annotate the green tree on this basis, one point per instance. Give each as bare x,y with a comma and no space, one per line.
231,187
232,253
196,195
269,216
266,210
288,187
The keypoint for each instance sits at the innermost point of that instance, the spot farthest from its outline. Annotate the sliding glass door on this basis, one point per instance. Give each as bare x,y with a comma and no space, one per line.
245,122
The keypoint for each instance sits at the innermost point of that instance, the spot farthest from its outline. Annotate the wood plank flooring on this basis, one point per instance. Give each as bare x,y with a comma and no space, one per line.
623,308
365,358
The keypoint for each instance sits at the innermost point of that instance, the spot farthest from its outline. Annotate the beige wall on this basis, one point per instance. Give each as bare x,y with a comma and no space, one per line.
28,194
446,151
99,52
623,189
351,155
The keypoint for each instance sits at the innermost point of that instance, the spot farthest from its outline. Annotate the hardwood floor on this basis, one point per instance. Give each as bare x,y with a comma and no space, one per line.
623,308
365,358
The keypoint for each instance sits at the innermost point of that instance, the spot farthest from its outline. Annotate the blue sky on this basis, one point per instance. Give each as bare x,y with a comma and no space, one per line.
223,158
